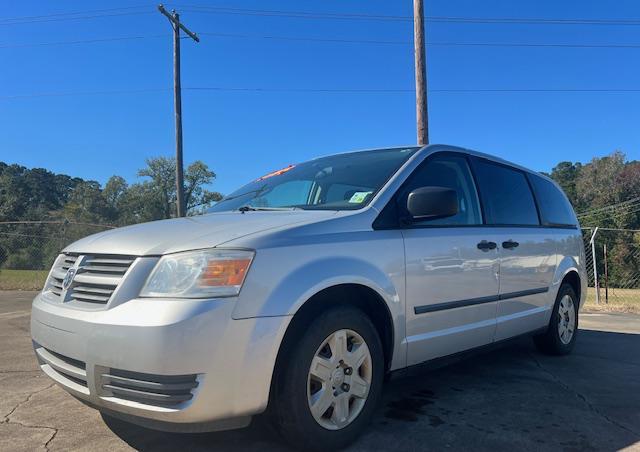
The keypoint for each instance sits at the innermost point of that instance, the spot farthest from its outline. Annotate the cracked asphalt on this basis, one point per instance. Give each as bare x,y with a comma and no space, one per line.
512,398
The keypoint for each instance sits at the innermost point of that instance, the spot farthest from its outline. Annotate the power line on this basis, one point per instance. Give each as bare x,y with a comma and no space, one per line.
59,19
408,42
92,11
294,14
301,38
83,41
319,90
607,209
509,44
124,11
533,20
326,40
395,18
610,206
301,90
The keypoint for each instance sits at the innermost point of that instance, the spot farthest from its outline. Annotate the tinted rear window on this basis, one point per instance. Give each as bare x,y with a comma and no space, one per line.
506,196
555,209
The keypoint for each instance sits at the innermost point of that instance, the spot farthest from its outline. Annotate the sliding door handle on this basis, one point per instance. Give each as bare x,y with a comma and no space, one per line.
486,246
510,244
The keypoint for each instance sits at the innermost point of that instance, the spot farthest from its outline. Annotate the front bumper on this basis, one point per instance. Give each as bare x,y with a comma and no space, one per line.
224,365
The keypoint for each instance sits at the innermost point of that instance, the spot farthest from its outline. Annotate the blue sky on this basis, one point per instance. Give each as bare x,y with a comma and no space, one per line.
243,135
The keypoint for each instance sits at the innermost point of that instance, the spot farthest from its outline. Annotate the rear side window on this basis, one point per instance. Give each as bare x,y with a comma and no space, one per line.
506,196
555,209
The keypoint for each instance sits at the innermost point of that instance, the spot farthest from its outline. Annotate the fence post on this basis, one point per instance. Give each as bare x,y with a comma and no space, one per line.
595,264
606,276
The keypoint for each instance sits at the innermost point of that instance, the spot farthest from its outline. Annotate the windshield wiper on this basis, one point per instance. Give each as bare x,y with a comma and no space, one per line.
244,209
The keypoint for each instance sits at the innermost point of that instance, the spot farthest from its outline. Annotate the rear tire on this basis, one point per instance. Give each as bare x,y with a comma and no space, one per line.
330,381
560,337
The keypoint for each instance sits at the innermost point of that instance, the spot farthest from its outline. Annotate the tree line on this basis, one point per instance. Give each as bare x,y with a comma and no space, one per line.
40,195
69,208
605,192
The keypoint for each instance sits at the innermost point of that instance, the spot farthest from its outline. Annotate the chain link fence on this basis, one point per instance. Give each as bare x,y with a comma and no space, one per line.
613,266
28,249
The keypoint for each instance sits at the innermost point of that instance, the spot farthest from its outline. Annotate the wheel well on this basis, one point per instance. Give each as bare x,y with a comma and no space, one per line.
572,278
362,297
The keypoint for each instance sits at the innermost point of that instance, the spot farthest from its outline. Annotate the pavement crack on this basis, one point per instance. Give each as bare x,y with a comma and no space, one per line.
581,396
55,432
19,404
8,420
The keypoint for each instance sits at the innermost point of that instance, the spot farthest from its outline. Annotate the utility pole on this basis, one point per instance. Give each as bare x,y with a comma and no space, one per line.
174,18
422,116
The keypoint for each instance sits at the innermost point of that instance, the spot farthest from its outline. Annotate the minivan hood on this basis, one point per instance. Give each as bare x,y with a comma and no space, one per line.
183,234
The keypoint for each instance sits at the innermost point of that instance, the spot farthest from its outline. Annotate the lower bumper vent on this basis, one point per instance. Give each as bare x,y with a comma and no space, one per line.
149,389
71,371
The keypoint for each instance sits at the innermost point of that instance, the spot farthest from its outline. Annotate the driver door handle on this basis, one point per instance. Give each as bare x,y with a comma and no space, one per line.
486,246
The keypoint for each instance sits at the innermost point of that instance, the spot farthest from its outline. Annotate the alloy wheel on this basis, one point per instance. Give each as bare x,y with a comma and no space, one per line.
566,319
339,379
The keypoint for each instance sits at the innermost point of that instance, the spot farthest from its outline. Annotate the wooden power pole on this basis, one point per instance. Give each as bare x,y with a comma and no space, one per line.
422,116
174,18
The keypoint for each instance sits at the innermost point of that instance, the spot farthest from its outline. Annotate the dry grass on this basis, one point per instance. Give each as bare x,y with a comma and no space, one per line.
22,279
620,300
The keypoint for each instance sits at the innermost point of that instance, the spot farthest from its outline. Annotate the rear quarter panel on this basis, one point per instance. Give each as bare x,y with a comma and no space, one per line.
571,257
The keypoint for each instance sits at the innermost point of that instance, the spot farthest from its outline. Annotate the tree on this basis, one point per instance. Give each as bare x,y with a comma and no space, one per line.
162,189
565,174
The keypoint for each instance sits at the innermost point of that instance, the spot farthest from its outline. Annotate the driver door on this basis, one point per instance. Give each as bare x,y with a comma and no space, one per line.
452,269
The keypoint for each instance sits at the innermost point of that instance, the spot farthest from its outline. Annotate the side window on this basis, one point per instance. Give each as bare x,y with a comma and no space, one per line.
449,171
555,209
506,196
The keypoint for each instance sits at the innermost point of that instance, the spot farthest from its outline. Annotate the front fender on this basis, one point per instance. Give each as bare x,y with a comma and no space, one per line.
286,297
287,294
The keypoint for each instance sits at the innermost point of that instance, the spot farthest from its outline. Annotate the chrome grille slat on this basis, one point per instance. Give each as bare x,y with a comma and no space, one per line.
91,289
96,279
85,278
90,298
104,269
111,261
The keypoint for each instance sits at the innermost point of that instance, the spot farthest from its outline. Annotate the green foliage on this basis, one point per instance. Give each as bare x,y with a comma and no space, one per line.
592,188
79,205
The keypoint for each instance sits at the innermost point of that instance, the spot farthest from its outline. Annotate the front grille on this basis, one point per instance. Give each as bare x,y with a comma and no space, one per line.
149,389
71,371
96,279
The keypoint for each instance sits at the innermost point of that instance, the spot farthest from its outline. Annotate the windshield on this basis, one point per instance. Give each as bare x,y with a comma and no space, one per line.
338,182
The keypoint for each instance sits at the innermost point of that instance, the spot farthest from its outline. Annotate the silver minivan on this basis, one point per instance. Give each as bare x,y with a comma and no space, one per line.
298,293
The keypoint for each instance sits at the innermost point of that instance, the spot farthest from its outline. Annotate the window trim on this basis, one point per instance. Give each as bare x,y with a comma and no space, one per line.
381,223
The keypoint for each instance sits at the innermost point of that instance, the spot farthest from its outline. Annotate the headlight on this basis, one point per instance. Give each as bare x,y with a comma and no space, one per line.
199,274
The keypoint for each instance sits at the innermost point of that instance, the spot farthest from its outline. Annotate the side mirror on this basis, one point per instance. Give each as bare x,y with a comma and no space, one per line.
430,203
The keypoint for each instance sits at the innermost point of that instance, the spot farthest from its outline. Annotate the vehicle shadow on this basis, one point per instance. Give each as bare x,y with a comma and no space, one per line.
259,436
511,397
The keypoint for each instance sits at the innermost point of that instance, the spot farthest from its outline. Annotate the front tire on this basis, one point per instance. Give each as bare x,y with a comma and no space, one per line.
560,337
330,381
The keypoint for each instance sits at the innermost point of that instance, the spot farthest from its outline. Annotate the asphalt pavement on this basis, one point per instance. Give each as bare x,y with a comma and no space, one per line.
512,398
